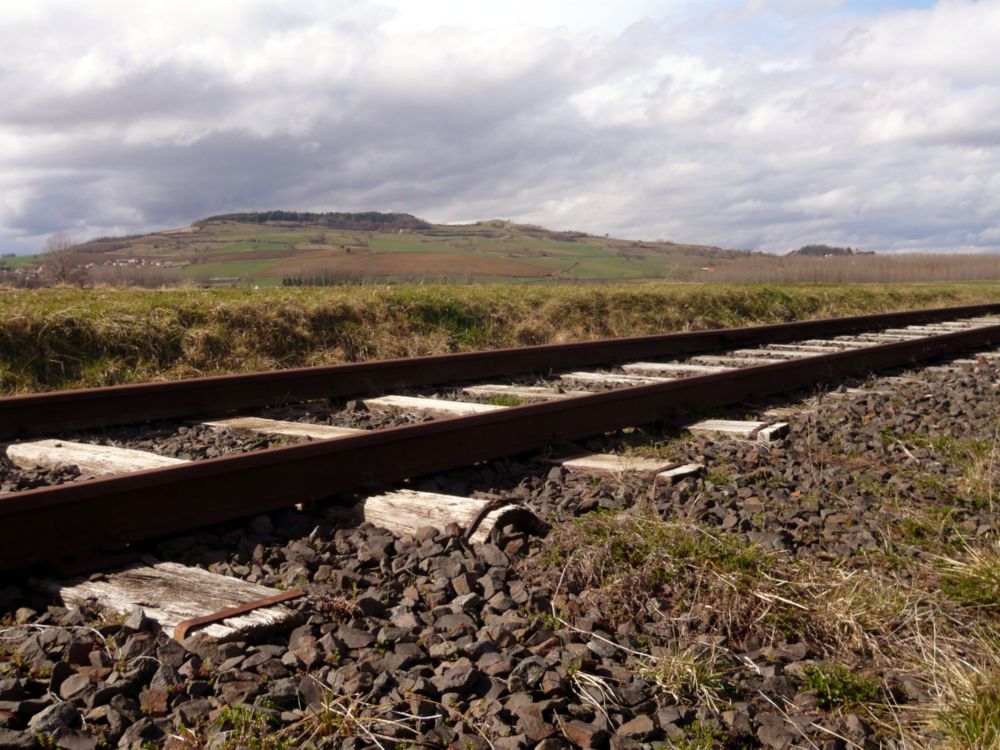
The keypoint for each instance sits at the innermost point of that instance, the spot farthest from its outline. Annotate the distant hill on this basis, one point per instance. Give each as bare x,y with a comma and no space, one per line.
825,251
298,247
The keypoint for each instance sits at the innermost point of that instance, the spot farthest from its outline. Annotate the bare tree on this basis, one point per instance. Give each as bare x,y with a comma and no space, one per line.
61,263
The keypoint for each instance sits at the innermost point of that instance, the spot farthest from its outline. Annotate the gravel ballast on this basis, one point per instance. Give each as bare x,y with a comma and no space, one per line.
593,636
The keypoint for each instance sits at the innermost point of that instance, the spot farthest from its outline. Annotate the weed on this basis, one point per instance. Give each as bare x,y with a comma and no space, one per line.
718,477
976,458
247,728
837,686
975,580
351,716
699,735
687,674
972,718
336,606
621,562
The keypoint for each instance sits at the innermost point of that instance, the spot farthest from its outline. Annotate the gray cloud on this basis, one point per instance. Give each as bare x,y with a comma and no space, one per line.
123,120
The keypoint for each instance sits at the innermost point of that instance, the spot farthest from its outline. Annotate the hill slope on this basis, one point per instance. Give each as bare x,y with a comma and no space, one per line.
276,247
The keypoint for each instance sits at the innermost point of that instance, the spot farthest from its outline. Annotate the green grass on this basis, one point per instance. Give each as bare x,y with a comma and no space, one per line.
699,735
18,261
247,728
971,720
836,686
978,460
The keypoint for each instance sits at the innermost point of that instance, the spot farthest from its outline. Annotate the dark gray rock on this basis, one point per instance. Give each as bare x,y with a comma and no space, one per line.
74,686
773,731
59,716
585,735
353,638
137,620
459,678
193,711
142,731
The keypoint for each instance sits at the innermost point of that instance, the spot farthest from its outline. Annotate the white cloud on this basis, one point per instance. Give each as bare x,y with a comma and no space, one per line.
765,124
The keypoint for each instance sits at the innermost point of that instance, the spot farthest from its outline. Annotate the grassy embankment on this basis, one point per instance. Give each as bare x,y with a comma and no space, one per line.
64,338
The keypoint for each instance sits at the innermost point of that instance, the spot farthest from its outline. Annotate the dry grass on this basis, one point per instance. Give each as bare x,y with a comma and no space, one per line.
635,567
858,269
969,714
59,338
973,579
683,585
333,717
688,674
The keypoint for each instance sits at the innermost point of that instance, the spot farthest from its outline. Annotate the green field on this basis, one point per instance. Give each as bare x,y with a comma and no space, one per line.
239,269
18,261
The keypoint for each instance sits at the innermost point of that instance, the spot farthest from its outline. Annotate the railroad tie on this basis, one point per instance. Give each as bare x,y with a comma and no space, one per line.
919,330
434,407
278,427
610,378
611,464
93,460
730,360
405,512
171,594
520,392
672,368
886,338
815,348
773,354
840,343
762,432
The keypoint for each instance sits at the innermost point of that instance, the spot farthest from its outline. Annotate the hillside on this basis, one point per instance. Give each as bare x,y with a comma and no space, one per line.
292,248
276,247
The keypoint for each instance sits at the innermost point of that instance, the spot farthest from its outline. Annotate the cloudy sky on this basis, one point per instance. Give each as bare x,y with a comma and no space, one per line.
757,124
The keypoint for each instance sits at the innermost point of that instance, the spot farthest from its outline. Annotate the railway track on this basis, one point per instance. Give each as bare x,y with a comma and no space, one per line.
408,622
100,513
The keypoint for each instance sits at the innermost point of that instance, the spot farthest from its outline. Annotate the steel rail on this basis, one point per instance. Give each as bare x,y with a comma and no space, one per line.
38,414
41,524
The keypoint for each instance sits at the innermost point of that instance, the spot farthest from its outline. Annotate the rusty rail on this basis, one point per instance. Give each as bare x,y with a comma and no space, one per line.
36,525
47,413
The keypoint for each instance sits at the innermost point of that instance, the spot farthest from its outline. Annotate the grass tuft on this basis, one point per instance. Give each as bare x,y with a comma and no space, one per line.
972,718
688,674
634,562
836,686
975,580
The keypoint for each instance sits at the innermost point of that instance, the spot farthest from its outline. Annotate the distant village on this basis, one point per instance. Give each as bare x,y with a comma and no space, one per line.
74,268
